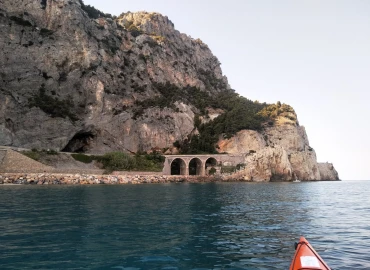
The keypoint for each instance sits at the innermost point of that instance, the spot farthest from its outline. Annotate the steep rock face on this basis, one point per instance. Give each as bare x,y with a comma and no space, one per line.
282,153
243,142
71,82
328,172
292,137
268,164
304,165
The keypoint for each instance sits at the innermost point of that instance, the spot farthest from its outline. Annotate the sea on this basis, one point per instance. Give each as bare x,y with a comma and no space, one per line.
183,226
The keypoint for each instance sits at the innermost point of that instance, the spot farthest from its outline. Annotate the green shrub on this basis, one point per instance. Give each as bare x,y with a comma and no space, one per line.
197,121
149,162
83,158
38,155
118,161
212,171
35,155
228,169
51,152
274,110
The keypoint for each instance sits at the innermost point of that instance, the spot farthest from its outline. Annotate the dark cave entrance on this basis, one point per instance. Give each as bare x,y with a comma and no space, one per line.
80,143
44,4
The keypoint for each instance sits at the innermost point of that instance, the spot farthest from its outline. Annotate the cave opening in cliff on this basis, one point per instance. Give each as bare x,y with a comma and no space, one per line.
43,4
195,167
178,167
80,143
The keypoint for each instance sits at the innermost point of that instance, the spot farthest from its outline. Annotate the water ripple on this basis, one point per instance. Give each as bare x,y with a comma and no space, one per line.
188,226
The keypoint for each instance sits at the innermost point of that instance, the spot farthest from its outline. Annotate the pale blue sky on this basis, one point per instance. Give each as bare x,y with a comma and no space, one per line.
311,54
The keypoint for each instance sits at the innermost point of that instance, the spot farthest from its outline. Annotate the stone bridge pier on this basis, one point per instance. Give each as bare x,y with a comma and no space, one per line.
198,164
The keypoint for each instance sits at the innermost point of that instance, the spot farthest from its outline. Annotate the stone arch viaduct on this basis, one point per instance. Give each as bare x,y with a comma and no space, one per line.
198,164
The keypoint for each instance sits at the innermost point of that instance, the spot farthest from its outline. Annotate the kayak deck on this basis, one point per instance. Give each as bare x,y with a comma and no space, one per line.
306,258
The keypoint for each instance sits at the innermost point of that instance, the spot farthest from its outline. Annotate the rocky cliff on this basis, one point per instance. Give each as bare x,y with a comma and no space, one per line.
74,81
280,152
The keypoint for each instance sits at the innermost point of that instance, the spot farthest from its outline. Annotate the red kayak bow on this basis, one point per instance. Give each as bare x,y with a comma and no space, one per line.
306,258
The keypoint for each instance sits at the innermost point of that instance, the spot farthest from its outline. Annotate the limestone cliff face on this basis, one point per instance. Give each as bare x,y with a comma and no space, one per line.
71,82
280,152
328,172
268,164
243,142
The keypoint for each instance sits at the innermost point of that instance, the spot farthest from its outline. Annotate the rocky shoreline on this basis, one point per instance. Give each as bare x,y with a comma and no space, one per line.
86,179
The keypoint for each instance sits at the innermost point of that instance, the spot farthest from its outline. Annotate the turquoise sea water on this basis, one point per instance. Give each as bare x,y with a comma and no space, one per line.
183,226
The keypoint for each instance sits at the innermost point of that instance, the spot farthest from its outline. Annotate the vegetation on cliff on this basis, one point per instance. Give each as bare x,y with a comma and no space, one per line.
169,93
53,106
119,161
39,155
274,110
239,113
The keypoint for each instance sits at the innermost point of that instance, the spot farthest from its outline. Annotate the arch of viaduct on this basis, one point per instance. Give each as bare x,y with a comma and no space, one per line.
197,164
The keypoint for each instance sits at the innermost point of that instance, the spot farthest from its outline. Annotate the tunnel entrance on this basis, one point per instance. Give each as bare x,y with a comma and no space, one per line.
195,167
178,167
80,143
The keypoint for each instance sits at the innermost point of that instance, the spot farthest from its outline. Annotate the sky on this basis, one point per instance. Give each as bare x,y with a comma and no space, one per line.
311,54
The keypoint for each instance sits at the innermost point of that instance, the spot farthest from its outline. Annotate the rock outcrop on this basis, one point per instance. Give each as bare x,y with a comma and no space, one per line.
77,82
327,172
243,142
268,164
71,82
281,152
